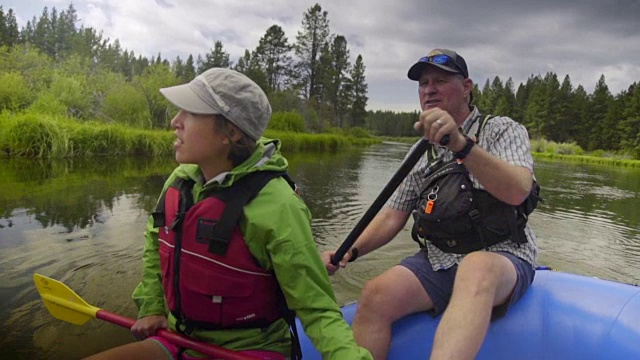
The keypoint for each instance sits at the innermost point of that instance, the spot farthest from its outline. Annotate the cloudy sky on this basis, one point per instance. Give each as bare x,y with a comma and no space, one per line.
507,38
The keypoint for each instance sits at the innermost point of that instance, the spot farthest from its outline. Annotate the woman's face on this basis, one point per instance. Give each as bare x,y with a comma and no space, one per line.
199,141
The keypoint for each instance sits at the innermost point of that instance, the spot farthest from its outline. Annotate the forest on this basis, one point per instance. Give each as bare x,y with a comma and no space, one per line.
55,65
553,111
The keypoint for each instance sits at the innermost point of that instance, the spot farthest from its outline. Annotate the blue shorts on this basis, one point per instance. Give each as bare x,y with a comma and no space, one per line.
439,284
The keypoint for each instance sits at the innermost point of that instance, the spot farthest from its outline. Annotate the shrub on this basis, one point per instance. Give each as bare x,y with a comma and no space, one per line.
14,93
126,105
551,148
47,103
358,132
287,121
538,145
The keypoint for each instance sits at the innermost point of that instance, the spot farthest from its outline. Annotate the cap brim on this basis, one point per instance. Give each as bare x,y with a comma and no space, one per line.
415,72
184,98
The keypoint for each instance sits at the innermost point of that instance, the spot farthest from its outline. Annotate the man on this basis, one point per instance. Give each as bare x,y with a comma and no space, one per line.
473,286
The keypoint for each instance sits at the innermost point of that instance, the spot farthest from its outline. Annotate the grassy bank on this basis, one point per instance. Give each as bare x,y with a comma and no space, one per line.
33,135
42,136
567,152
586,159
39,136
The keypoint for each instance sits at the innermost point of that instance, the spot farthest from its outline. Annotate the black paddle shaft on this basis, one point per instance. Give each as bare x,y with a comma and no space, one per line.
395,181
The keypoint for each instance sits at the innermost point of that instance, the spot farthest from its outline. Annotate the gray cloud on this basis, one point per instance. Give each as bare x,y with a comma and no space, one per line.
165,4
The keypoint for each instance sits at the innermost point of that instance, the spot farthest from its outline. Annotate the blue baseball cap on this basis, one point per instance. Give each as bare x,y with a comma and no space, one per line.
444,59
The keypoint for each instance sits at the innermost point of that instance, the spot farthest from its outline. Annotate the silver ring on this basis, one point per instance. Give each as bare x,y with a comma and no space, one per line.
439,122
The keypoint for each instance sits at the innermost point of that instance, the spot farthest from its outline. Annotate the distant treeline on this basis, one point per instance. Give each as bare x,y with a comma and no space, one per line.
550,110
55,66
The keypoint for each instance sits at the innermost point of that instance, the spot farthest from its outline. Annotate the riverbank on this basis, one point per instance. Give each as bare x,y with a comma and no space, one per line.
586,159
549,150
31,135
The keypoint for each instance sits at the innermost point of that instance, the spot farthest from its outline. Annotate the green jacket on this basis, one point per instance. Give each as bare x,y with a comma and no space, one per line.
276,228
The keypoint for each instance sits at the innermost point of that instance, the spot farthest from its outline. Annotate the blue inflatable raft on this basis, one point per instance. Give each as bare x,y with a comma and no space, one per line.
562,316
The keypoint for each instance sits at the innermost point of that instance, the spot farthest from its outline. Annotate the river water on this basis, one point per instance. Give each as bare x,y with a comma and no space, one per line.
81,222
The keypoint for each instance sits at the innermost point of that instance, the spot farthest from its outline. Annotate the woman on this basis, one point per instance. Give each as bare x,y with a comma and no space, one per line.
230,246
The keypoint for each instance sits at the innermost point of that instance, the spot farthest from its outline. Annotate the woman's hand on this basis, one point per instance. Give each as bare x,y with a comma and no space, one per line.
148,326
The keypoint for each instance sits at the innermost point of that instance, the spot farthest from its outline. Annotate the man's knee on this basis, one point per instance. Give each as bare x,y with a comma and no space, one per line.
485,264
485,271
374,295
382,295
485,275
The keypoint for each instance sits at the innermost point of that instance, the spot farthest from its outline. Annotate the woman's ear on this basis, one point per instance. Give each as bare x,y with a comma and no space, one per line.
235,134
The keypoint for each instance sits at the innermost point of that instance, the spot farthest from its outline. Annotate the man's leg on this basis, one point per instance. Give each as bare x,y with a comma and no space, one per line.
385,299
411,287
483,280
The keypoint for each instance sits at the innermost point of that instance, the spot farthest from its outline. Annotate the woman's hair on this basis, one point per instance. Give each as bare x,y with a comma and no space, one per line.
240,150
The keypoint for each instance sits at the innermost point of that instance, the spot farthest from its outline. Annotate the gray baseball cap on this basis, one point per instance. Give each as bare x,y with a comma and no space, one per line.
225,92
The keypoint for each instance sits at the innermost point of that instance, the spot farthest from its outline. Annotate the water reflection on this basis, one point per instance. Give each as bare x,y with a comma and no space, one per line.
62,218
81,222
72,193
590,221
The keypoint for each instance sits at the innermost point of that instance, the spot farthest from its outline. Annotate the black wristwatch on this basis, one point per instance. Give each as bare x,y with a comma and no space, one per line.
465,150
354,254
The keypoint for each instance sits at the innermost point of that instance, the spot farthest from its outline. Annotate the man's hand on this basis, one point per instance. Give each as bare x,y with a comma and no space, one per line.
326,259
435,123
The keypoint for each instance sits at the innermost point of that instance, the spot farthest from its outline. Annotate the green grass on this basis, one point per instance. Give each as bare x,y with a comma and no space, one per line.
567,152
34,135
586,159
43,136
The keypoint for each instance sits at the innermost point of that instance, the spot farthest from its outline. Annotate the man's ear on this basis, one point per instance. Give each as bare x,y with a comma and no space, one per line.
468,86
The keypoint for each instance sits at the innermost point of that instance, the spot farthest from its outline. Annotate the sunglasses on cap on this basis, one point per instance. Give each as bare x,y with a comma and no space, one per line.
445,60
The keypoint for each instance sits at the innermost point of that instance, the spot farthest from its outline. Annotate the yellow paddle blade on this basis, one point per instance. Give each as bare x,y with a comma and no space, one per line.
62,302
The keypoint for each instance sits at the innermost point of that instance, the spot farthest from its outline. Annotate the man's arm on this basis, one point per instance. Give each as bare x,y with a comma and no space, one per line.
382,229
507,182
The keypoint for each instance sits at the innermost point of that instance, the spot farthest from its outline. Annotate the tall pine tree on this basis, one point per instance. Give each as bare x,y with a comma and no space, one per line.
309,42
273,53
359,88
217,57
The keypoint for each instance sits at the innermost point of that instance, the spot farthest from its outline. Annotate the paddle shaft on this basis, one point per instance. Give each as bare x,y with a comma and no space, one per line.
211,350
395,181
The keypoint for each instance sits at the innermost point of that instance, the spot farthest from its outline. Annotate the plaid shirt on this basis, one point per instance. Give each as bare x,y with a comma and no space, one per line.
501,137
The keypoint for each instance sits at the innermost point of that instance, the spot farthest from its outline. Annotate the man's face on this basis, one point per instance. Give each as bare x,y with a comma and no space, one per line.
442,89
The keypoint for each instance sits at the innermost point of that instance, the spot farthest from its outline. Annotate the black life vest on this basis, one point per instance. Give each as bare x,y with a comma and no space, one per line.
456,218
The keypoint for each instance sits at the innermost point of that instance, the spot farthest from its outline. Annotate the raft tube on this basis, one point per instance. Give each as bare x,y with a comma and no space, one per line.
562,316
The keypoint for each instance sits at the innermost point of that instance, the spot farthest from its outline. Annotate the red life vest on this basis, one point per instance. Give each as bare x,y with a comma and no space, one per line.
211,280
